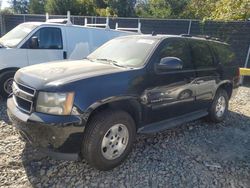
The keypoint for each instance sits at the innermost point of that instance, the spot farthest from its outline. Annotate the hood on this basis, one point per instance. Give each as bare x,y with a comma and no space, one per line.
62,72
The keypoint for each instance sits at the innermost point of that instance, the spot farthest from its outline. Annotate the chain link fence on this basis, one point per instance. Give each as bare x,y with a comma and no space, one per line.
236,33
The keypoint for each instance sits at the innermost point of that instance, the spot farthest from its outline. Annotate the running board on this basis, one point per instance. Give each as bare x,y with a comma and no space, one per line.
173,122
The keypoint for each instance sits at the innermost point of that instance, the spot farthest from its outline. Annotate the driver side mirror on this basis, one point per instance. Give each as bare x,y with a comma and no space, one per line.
170,63
34,43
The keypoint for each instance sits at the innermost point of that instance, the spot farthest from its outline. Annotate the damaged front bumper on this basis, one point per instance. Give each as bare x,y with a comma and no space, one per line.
58,136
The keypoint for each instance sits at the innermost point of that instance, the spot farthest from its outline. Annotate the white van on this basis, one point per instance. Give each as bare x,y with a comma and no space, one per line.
38,42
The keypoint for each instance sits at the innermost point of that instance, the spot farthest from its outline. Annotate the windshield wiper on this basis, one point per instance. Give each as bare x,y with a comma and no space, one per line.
112,62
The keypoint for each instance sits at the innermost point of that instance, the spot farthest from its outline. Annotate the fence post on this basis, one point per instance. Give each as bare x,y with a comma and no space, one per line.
3,27
189,26
245,66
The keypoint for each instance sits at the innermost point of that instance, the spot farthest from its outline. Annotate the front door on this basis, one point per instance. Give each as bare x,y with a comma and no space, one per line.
50,46
171,92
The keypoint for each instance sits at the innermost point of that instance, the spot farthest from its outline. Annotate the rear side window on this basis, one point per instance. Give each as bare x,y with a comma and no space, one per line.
201,54
177,48
224,54
48,38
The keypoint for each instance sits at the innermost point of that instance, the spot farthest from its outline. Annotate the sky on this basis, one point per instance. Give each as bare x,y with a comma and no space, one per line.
5,4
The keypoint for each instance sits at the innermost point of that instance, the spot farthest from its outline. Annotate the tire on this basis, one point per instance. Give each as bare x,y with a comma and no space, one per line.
219,105
5,79
97,143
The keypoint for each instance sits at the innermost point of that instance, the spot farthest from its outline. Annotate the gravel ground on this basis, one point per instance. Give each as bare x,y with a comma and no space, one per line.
197,154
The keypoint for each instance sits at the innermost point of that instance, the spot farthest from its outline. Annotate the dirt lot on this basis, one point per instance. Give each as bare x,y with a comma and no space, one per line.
197,154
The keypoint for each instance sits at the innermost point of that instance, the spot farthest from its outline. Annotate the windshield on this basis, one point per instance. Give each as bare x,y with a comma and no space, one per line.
16,35
126,51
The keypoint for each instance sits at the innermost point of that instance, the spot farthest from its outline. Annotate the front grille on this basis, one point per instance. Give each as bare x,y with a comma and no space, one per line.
23,97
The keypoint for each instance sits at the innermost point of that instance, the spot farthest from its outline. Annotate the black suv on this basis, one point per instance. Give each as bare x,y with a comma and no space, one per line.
93,108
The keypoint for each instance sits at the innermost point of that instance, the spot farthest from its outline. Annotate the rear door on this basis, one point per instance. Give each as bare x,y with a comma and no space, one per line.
51,46
206,72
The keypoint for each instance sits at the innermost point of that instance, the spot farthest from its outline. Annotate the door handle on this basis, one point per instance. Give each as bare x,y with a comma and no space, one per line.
64,55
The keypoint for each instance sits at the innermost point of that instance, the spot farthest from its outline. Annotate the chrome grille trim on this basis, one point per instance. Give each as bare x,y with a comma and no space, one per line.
23,95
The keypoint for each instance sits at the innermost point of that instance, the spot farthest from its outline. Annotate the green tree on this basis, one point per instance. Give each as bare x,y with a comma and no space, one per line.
86,7
121,8
197,9
76,7
37,6
61,7
20,6
231,10
153,8
177,7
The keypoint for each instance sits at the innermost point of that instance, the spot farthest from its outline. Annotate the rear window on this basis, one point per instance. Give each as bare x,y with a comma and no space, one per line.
224,54
201,54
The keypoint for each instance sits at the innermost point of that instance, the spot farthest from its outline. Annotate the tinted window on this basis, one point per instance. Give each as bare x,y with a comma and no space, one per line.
224,54
177,48
201,54
49,38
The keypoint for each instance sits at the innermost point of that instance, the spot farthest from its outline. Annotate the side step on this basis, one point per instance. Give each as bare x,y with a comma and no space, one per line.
173,122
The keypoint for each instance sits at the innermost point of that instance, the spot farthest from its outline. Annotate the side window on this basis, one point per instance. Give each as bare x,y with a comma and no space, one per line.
177,48
224,54
201,53
48,38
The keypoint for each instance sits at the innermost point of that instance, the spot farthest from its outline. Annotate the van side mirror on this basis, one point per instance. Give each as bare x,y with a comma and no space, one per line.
34,43
170,63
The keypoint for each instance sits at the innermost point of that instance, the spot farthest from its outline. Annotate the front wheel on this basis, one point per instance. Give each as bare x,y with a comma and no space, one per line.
108,139
219,107
6,80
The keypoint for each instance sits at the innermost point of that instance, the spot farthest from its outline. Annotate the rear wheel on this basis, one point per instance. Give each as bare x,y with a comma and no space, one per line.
108,139
6,80
219,107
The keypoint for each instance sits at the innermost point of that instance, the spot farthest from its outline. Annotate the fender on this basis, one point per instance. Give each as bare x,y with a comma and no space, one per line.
117,102
229,82
9,69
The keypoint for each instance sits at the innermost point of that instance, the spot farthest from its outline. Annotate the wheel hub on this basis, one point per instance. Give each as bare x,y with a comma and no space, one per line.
115,141
220,106
8,85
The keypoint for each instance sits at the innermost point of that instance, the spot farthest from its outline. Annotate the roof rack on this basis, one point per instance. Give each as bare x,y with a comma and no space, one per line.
66,21
106,25
138,29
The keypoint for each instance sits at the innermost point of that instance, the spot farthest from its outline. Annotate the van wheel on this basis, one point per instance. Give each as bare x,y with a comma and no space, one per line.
219,107
6,80
108,139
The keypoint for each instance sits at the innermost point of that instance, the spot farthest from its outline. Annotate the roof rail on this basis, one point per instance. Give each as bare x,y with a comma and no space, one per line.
66,21
138,29
208,37
201,36
106,25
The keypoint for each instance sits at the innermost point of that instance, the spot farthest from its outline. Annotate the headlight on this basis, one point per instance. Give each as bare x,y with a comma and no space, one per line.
55,103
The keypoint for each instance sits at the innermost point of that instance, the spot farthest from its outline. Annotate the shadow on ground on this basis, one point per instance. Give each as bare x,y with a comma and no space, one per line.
196,154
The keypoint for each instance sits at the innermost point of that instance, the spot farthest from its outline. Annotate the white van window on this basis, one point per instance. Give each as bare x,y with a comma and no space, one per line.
48,38
16,35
